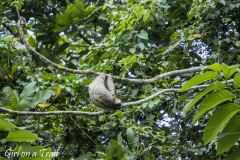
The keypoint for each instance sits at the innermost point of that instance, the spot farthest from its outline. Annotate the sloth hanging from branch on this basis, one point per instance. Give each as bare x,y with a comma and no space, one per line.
102,92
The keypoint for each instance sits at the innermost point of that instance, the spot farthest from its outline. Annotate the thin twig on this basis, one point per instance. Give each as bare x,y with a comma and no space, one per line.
85,39
157,94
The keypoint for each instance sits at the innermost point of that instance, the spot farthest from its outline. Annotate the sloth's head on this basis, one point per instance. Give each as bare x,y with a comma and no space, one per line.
117,103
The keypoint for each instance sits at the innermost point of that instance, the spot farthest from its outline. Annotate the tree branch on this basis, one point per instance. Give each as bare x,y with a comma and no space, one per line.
89,72
85,39
157,94
5,110
164,75
31,113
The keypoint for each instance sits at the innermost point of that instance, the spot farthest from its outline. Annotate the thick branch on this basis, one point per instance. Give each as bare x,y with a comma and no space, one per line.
89,72
46,60
5,110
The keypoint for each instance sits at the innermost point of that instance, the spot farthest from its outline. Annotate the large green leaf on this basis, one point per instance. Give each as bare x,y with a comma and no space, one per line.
212,100
143,35
10,98
6,125
218,120
133,138
22,136
214,86
215,67
228,71
129,154
236,81
40,96
28,90
200,78
114,151
2,116
73,13
229,135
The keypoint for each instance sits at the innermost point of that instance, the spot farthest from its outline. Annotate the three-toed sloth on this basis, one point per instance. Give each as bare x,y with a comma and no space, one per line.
102,92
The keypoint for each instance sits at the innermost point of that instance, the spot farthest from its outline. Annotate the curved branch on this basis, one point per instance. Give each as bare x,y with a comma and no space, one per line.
168,90
164,75
157,94
46,60
89,72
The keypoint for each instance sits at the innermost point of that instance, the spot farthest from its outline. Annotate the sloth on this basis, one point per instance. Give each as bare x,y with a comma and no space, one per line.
102,92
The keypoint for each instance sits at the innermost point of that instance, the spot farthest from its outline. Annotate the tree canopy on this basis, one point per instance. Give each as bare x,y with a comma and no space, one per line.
175,65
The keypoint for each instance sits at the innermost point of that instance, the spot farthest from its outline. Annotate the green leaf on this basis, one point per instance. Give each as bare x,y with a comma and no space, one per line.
72,14
133,138
114,151
218,120
2,9
32,41
190,15
28,90
63,19
194,36
200,78
85,156
4,115
229,135
211,101
132,50
127,151
215,67
237,80
22,136
61,48
6,125
13,70
40,96
213,86
10,98
143,35
146,15
228,71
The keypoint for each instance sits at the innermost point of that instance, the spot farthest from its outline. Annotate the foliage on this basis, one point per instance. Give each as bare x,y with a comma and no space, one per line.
128,38
213,96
